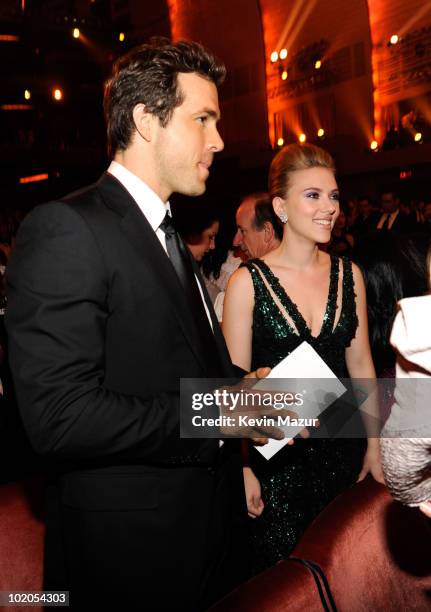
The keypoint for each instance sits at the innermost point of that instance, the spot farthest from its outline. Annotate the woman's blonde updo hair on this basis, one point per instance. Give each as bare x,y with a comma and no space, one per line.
295,157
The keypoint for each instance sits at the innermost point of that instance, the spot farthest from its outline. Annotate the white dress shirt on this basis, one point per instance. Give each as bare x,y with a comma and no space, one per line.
392,217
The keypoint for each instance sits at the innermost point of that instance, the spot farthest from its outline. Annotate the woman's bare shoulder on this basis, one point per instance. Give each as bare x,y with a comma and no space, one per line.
240,280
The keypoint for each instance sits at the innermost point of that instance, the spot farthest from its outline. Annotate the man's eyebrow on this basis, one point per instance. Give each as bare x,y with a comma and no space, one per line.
210,112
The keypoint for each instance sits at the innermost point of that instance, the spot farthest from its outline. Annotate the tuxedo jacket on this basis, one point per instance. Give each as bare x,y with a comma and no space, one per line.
403,224
100,334
362,227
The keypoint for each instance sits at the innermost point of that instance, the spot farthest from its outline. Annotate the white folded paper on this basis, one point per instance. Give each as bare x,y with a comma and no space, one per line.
302,372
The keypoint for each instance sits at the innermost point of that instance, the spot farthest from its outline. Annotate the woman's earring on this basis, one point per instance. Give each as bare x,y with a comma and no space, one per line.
283,217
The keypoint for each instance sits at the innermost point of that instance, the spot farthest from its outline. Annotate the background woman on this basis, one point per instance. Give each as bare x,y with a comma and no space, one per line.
406,437
393,268
198,223
295,293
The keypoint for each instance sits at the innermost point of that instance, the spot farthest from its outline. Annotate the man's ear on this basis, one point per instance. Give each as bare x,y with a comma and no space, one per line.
268,231
143,122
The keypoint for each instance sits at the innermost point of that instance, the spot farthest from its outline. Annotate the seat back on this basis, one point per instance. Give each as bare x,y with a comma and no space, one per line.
22,532
374,552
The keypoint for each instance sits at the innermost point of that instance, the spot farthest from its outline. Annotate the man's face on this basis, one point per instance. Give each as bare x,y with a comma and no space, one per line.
184,149
389,203
364,207
247,237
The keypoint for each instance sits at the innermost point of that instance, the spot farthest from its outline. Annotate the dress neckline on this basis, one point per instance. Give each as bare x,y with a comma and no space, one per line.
293,310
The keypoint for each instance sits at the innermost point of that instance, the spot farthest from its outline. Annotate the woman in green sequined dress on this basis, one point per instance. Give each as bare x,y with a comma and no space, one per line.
295,293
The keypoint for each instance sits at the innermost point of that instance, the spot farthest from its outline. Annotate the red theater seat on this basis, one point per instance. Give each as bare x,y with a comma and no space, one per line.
22,532
374,552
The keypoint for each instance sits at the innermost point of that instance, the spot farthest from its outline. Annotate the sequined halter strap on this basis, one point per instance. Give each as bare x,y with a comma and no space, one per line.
349,294
292,309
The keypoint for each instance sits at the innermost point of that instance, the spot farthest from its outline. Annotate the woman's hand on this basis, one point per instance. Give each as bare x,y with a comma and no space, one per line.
372,463
253,497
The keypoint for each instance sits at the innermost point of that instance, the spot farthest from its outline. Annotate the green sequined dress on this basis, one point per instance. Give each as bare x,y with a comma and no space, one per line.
300,480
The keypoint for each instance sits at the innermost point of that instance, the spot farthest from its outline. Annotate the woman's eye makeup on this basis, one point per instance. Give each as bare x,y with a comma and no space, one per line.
315,195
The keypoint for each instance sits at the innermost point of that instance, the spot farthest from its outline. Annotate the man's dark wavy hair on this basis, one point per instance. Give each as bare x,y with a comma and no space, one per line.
148,75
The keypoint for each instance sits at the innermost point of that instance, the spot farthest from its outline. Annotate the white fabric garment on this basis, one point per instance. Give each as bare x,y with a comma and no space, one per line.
405,454
219,284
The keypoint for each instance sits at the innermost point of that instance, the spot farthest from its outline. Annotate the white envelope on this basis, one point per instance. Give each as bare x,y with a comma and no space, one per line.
309,375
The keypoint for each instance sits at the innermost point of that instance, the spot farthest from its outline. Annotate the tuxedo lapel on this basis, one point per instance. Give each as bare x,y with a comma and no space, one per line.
223,353
139,233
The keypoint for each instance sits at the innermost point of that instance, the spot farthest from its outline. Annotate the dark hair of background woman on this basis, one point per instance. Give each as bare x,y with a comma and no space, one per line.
393,268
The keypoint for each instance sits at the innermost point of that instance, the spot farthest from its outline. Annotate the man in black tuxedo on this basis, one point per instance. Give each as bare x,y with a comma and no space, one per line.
366,220
102,327
392,219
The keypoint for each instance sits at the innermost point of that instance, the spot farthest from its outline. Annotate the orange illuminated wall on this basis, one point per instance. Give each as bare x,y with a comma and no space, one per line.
174,18
335,97
232,30
399,69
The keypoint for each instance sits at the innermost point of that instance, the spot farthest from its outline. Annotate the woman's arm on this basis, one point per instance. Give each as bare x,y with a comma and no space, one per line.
238,318
360,365
237,329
